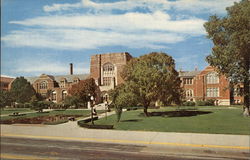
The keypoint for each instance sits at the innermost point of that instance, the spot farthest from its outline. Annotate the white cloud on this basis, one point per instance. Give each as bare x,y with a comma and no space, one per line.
195,6
128,5
201,6
74,39
3,75
129,22
131,29
47,66
61,7
134,30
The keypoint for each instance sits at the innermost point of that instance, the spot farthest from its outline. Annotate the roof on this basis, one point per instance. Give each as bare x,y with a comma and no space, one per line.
69,78
188,73
6,79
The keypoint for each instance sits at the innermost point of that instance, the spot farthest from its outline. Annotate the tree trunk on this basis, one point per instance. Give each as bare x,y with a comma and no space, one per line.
246,97
247,88
146,111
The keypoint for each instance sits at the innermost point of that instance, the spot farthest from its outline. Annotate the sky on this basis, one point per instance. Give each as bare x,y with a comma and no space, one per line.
44,36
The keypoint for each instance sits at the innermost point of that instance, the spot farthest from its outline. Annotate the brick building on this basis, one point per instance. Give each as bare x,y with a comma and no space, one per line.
208,84
5,82
55,87
106,69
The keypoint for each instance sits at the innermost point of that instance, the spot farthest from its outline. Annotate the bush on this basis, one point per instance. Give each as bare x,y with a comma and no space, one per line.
19,105
209,102
27,105
189,103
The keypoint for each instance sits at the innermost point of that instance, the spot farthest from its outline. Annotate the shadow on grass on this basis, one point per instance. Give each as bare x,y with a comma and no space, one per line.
182,113
132,120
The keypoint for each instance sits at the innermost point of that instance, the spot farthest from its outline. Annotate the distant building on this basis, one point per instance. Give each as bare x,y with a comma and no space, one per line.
106,70
208,84
5,82
55,87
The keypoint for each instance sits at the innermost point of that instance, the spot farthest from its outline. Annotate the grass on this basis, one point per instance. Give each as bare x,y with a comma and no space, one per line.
11,110
83,113
221,120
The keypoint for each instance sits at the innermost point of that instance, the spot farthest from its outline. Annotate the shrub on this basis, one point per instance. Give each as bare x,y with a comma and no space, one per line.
209,102
189,103
27,105
19,105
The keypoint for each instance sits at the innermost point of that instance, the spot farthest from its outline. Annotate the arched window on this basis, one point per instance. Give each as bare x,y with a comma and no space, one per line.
64,94
54,96
108,75
212,78
189,93
44,85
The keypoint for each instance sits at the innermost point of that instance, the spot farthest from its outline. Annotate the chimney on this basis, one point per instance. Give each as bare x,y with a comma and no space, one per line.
71,68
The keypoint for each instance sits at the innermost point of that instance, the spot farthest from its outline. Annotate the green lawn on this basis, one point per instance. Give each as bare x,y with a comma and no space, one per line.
11,110
83,113
221,120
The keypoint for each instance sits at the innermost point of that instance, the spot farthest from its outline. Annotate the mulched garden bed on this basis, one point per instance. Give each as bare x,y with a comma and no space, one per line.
39,120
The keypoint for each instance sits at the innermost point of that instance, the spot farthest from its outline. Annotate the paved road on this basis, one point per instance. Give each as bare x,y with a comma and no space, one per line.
23,148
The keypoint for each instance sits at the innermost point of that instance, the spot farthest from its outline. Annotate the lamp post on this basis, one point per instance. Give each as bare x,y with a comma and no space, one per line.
106,104
91,99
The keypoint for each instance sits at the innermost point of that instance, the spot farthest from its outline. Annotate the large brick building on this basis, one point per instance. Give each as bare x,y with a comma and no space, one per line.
106,69
55,87
198,85
5,82
208,84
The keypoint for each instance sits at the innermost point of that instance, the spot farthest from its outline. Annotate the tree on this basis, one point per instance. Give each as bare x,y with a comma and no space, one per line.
22,90
153,77
5,98
122,96
231,50
71,101
84,88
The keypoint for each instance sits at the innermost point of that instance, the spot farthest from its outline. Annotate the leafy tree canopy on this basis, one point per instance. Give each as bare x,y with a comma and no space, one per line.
123,97
231,50
22,90
5,98
153,77
71,101
84,88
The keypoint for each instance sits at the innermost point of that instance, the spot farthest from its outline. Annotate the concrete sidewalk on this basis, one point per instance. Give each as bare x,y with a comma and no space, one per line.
157,142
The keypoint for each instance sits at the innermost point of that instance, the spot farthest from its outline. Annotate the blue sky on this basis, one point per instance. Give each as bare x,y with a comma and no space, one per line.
44,36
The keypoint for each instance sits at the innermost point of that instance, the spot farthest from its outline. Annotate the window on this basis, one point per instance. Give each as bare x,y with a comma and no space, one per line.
43,85
64,94
212,78
188,80
76,80
54,96
62,84
108,74
212,92
107,81
189,93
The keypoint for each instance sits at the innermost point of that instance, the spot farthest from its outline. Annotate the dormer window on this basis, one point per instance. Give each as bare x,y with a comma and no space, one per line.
43,85
76,80
63,83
